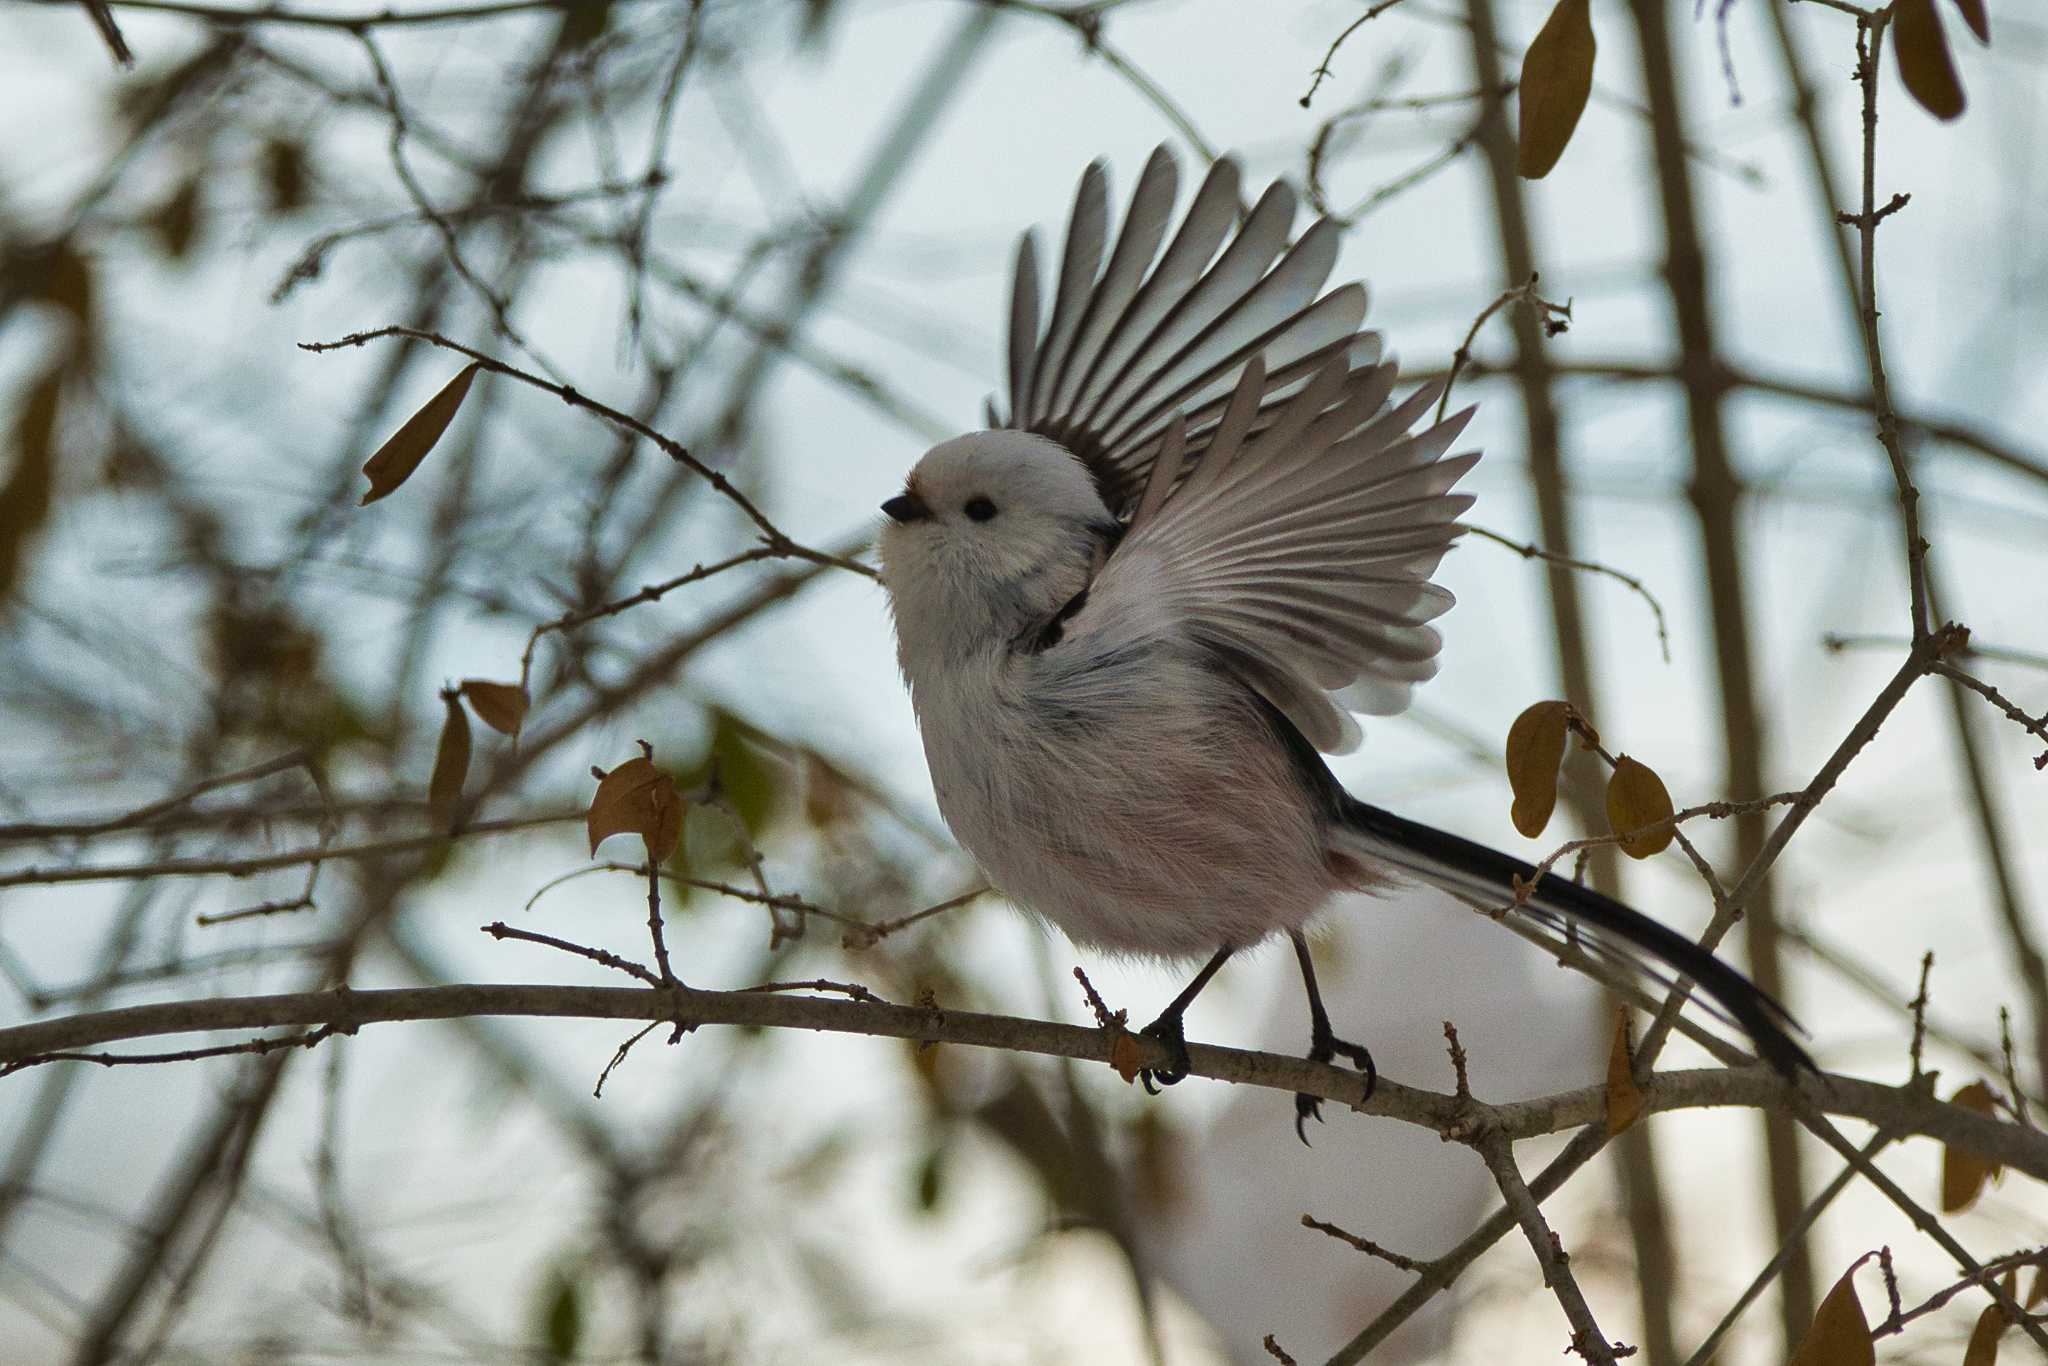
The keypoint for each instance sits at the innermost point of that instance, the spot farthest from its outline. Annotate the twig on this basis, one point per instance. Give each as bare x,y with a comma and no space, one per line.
2034,726
1587,1339
2012,1070
498,929
597,1091
653,872
1555,318
867,936
1530,551
387,17
1322,71
451,245
1918,1005
776,541
1870,29
272,1044
1365,1245
257,863
1984,1278
1704,1353
653,592
1975,649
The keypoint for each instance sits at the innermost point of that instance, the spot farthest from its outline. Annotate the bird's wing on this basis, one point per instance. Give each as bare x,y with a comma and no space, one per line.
1132,341
1298,553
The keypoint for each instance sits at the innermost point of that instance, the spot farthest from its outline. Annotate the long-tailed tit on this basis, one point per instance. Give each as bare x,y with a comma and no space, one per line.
1135,613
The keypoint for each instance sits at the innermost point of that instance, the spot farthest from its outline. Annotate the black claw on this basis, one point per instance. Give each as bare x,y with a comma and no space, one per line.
1327,1047
1306,1108
1167,1030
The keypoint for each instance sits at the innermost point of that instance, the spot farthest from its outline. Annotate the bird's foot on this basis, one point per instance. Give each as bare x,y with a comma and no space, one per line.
1167,1030
1327,1047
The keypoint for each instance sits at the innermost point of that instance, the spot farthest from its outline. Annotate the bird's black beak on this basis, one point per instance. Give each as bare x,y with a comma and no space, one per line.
906,507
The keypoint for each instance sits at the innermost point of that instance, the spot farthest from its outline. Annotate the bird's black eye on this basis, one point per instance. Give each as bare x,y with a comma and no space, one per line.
979,508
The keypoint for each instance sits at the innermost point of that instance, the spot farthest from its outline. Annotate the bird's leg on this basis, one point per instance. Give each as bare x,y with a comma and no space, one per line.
1323,1045
1167,1028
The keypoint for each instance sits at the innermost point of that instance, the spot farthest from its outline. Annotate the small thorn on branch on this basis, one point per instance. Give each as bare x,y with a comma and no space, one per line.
1872,219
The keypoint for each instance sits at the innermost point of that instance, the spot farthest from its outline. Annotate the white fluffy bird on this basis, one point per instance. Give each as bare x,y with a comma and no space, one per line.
1133,611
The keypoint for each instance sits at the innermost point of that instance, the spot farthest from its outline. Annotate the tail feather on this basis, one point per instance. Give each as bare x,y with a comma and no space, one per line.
1486,879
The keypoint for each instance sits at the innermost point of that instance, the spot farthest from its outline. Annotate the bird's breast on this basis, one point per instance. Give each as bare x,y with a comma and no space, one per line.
1140,804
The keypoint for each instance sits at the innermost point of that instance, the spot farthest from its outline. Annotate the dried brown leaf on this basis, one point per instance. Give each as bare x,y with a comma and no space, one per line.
176,221
1535,749
1557,76
2038,1291
1991,1326
284,174
1925,66
1963,1173
27,494
397,458
501,706
1636,798
1975,16
1839,1334
1624,1098
636,798
451,764
1126,1057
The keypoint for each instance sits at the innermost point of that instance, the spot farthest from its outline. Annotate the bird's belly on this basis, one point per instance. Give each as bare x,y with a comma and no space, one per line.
1163,841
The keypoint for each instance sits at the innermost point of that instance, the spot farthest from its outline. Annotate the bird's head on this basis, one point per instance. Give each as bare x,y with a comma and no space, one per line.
993,532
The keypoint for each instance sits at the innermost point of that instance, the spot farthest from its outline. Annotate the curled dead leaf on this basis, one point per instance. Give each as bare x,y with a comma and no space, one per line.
1636,798
451,764
636,798
1963,1173
1535,748
1557,76
1926,68
398,457
1624,1098
501,706
1839,1334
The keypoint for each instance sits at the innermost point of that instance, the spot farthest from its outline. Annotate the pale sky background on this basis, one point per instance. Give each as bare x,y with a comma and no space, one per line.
480,1199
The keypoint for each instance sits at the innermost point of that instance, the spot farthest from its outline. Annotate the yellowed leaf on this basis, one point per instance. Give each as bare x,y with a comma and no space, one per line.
1839,1334
1636,798
1535,749
501,706
397,458
636,798
1963,1173
451,764
1924,64
1557,76
1977,19
1624,1098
